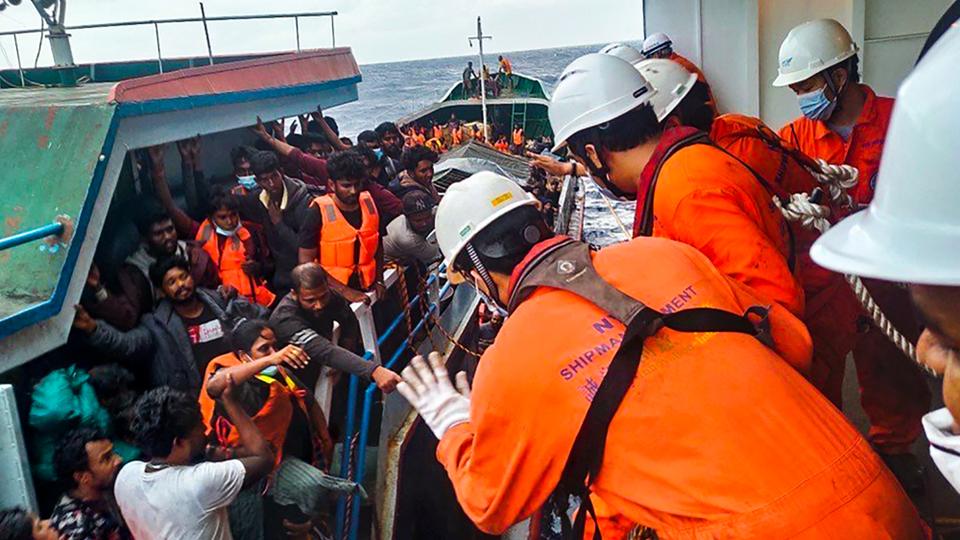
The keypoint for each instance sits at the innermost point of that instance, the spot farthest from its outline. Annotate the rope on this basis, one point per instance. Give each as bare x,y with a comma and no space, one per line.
814,216
435,319
801,209
350,467
837,179
405,300
626,234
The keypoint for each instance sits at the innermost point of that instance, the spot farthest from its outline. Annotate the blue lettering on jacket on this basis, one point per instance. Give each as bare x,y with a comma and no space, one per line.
680,300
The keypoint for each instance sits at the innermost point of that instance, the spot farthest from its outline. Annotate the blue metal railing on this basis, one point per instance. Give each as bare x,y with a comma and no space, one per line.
53,229
352,394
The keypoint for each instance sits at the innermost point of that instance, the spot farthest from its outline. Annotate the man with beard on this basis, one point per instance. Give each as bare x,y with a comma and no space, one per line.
305,318
160,240
408,236
346,227
183,333
86,462
391,141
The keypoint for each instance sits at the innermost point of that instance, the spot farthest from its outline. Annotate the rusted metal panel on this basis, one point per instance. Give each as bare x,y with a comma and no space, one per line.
50,153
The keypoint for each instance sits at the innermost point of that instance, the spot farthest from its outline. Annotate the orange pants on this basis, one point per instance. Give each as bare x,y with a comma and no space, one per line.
893,391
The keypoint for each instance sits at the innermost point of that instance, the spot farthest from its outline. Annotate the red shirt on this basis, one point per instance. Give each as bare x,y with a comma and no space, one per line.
862,150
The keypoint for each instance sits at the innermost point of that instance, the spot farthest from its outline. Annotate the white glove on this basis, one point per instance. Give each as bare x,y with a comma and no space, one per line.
944,445
428,389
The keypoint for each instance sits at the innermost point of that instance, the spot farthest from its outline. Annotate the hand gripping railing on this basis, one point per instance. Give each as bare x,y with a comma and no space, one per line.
348,508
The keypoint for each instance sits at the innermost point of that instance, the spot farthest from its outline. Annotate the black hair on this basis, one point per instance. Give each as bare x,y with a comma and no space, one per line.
502,244
625,132
264,162
149,214
387,127
113,385
368,136
415,154
240,152
346,165
853,69
333,124
308,276
71,454
159,269
693,109
367,154
222,197
16,524
161,416
244,333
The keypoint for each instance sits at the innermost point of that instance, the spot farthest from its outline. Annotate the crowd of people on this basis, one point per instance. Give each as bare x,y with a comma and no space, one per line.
691,383
217,329
731,349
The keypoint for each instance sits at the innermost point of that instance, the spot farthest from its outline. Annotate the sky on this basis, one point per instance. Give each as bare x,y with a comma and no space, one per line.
377,30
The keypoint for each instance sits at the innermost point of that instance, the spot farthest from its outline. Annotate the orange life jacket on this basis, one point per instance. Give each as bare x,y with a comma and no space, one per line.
338,241
717,437
518,137
230,262
437,132
457,136
273,419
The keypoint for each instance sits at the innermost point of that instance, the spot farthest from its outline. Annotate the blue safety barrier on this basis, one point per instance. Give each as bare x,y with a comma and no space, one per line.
367,405
53,229
352,394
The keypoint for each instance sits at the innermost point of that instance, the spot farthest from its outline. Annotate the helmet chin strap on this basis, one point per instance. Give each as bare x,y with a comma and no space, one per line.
493,299
602,173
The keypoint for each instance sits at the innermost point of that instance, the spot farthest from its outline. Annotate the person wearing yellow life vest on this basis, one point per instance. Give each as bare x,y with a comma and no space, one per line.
242,263
347,242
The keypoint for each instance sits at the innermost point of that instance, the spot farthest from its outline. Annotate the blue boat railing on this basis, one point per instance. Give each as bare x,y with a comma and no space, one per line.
25,237
353,452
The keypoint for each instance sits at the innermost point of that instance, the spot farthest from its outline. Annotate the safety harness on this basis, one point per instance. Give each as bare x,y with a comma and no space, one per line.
644,225
568,266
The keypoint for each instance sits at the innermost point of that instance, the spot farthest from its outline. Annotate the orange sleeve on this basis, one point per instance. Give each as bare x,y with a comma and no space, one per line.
716,222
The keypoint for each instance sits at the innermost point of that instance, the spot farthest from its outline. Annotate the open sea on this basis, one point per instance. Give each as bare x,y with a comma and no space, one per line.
393,90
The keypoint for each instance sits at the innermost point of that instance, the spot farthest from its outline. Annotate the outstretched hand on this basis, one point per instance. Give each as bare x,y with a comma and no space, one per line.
428,389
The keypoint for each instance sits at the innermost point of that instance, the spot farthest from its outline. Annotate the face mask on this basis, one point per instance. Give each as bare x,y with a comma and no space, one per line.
379,153
247,182
491,304
270,371
224,232
815,105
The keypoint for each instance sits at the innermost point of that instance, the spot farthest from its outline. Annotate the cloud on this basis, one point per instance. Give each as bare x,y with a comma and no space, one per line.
378,30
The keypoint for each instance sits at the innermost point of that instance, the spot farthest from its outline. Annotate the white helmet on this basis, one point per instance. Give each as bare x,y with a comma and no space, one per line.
911,231
592,90
624,51
672,81
469,206
811,48
655,42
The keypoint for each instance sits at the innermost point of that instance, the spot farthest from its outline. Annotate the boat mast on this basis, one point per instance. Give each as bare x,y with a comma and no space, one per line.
483,88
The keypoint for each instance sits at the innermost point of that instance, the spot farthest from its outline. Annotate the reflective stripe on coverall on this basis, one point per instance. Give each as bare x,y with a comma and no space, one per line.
719,437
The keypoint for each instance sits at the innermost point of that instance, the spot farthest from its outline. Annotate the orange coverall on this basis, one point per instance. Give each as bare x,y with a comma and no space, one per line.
707,199
718,437
893,392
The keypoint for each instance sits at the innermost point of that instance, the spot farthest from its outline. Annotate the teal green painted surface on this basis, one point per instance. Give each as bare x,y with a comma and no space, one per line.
535,122
523,87
112,71
49,156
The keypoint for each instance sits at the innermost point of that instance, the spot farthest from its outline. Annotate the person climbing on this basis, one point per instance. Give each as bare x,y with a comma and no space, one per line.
686,188
506,444
469,81
908,234
659,45
504,72
844,121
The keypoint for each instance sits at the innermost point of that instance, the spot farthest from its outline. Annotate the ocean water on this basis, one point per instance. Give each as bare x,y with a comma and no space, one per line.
393,90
